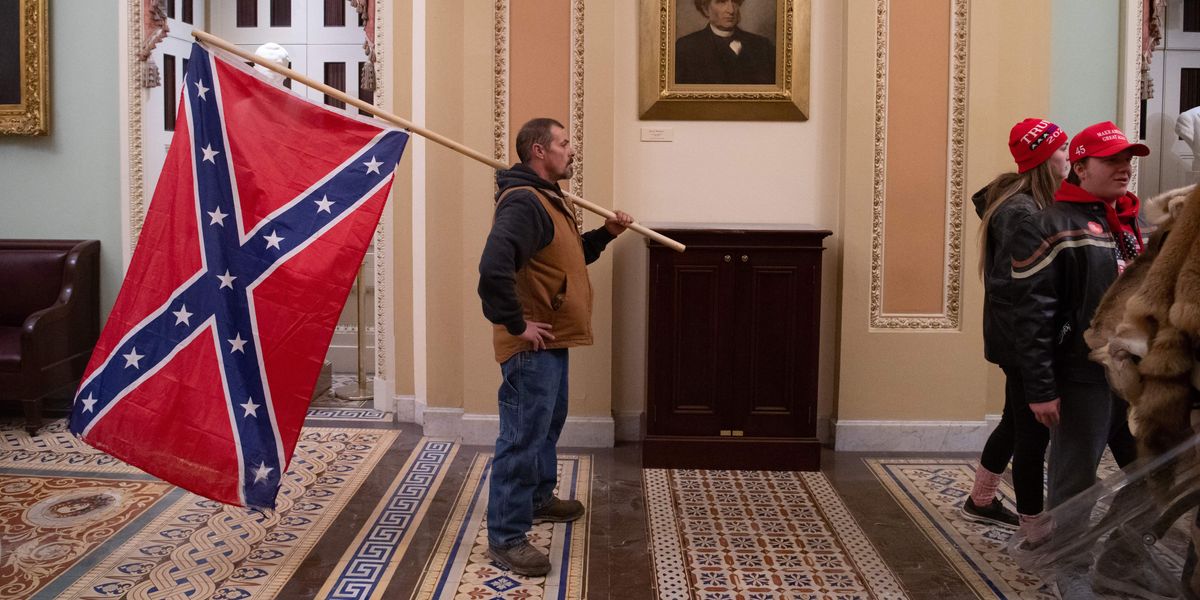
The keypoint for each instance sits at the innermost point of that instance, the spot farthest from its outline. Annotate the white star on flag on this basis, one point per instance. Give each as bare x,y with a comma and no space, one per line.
273,240
226,280
209,153
182,315
373,166
261,472
323,204
237,342
131,359
88,403
218,217
201,90
250,407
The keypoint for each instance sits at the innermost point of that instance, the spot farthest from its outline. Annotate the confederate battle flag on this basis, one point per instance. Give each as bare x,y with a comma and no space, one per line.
264,209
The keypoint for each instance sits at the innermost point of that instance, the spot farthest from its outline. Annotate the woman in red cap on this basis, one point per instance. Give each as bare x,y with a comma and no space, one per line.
1040,150
1064,260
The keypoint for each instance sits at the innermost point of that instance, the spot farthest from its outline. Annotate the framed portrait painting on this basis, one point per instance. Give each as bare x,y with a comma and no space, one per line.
729,60
24,68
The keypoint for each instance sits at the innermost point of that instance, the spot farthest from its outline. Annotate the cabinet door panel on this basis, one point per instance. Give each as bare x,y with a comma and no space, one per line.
775,369
690,296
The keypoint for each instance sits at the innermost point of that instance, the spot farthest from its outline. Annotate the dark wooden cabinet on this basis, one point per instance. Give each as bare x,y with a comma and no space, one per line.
734,326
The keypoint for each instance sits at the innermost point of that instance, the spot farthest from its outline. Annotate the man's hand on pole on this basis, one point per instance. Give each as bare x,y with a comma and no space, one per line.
617,223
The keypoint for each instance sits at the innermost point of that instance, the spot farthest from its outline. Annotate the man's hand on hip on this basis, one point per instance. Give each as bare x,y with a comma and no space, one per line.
1046,413
537,334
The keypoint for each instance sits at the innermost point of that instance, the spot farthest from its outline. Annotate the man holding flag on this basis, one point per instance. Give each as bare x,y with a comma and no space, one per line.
535,290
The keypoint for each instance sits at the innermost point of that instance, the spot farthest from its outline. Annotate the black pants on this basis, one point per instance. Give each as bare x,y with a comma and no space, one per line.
1020,438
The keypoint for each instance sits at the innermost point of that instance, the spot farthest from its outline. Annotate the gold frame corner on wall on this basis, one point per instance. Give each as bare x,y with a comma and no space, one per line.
31,114
659,98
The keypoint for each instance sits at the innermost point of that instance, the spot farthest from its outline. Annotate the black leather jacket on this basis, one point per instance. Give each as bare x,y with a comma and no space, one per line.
998,343
1064,259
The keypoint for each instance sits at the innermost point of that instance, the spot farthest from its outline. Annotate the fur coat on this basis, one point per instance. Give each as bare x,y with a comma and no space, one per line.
1146,331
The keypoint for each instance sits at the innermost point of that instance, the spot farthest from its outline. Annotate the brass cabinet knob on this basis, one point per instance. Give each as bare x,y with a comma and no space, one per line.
745,258
728,258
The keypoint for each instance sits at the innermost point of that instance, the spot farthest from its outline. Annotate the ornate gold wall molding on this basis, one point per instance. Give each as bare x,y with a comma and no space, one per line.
949,318
500,90
135,196
31,115
383,243
576,124
1131,76
500,82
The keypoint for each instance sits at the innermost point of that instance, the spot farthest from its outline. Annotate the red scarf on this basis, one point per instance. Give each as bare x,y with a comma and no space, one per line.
1121,220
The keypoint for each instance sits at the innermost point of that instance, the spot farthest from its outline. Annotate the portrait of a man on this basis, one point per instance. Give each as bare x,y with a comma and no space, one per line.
722,51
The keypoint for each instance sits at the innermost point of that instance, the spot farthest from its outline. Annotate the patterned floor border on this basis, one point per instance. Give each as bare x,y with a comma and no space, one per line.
191,546
54,449
931,490
349,414
758,535
369,563
460,569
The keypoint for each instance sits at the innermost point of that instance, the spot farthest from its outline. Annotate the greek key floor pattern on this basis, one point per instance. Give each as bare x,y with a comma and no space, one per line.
372,558
348,414
460,569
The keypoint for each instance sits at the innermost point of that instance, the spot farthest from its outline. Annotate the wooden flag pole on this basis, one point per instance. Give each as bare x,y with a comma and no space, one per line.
432,136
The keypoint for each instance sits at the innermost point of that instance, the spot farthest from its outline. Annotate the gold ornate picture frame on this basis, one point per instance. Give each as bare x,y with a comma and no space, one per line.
24,68
665,23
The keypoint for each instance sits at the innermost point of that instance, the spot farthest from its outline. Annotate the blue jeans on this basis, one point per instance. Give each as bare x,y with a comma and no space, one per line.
1090,417
533,408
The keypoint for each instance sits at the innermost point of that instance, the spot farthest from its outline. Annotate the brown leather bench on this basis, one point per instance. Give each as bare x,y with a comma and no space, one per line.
49,318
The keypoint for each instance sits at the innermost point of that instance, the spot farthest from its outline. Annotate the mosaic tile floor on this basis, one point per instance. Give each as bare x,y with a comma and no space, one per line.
758,535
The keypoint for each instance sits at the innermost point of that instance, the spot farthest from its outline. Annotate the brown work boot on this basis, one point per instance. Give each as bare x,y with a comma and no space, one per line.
558,511
522,559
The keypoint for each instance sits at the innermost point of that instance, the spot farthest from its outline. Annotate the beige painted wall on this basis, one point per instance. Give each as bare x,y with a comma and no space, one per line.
724,172
461,369
398,95
1010,75
445,189
1007,77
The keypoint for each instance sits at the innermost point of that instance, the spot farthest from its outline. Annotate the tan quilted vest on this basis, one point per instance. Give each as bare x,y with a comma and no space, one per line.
553,286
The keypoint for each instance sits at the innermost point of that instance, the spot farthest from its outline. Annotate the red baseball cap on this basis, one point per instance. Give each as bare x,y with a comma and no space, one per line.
1032,141
1103,139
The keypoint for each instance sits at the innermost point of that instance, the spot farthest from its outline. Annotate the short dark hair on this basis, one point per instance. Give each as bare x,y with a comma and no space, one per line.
703,4
1072,176
536,131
